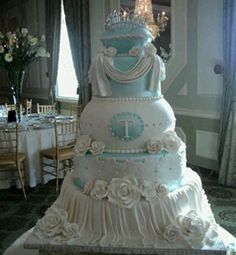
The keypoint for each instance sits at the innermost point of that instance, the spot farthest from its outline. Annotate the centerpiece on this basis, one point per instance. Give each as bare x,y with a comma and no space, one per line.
17,50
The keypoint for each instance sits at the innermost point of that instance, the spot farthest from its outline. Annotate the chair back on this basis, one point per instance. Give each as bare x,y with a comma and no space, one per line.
75,110
12,107
66,133
9,140
28,106
46,108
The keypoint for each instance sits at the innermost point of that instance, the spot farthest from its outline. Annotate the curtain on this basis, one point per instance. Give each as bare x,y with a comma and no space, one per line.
78,26
53,27
227,135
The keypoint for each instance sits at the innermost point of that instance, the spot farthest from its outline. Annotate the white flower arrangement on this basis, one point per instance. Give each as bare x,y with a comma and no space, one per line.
18,49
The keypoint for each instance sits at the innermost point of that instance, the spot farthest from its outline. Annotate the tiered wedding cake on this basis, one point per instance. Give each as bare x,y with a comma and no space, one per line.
130,186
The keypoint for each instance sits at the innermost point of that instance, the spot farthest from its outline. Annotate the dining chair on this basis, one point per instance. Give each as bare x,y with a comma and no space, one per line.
28,106
12,107
46,108
59,159
75,110
11,159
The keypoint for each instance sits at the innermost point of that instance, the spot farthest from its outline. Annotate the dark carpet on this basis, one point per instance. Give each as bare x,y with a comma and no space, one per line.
17,215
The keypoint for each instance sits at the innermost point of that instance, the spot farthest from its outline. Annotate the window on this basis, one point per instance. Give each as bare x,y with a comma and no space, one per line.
66,78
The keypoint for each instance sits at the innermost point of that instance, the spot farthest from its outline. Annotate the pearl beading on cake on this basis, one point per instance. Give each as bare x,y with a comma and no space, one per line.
128,99
125,151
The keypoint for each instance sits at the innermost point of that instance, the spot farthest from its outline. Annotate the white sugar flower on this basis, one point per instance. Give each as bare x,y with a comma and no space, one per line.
99,190
110,52
70,230
148,190
150,49
124,191
172,233
8,57
88,187
193,228
135,51
154,146
1,49
97,147
51,224
83,145
24,31
161,189
171,142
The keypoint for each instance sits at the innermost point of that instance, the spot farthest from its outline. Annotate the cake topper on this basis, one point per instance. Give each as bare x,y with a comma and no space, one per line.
124,18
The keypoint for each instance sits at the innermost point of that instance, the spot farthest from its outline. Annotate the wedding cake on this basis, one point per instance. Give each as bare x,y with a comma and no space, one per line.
130,186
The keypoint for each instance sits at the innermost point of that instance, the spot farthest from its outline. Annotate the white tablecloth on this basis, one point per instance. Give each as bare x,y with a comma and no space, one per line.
34,138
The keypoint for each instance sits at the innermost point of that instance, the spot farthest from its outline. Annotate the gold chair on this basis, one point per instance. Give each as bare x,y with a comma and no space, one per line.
11,159
75,110
12,107
28,106
46,108
59,158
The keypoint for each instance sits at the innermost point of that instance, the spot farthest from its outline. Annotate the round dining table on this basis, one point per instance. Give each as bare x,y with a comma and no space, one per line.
36,134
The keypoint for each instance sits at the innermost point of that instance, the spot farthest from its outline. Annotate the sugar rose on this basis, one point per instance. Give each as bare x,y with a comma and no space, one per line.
154,146
124,191
171,142
99,190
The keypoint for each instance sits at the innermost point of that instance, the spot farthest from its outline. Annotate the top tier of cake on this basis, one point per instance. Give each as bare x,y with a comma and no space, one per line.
128,65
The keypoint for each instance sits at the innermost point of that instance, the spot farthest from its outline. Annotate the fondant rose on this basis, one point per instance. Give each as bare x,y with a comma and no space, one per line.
124,192
88,187
154,146
135,51
99,190
97,147
193,228
148,190
171,142
52,223
110,52
172,233
161,189
70,230
83,144
150,49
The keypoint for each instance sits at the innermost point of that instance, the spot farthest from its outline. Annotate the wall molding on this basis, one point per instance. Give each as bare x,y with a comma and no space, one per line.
196,113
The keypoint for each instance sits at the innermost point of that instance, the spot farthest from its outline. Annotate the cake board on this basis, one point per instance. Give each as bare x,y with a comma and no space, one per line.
75,249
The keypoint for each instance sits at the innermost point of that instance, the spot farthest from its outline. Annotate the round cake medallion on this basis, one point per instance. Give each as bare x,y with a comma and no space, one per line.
126,126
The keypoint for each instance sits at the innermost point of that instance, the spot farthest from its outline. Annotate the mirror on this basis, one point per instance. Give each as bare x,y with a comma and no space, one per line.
163,41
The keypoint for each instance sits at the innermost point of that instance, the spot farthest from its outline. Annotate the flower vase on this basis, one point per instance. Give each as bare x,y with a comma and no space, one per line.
17,79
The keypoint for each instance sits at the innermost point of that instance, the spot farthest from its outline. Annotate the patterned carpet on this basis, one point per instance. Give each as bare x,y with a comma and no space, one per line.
17,215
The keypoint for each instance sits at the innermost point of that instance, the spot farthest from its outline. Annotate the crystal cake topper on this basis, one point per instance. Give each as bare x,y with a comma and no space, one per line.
124,19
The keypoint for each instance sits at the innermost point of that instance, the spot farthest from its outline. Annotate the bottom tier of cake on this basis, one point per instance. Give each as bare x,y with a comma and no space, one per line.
178,219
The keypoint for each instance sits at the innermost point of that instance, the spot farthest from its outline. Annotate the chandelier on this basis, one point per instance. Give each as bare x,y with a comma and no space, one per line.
144,8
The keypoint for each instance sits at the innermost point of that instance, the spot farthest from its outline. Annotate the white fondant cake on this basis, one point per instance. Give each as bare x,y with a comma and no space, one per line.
130,186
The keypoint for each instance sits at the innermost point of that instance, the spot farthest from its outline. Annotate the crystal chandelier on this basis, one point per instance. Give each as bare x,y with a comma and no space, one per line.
144,8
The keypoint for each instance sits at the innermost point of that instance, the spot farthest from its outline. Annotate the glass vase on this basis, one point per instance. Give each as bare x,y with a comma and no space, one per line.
17,79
